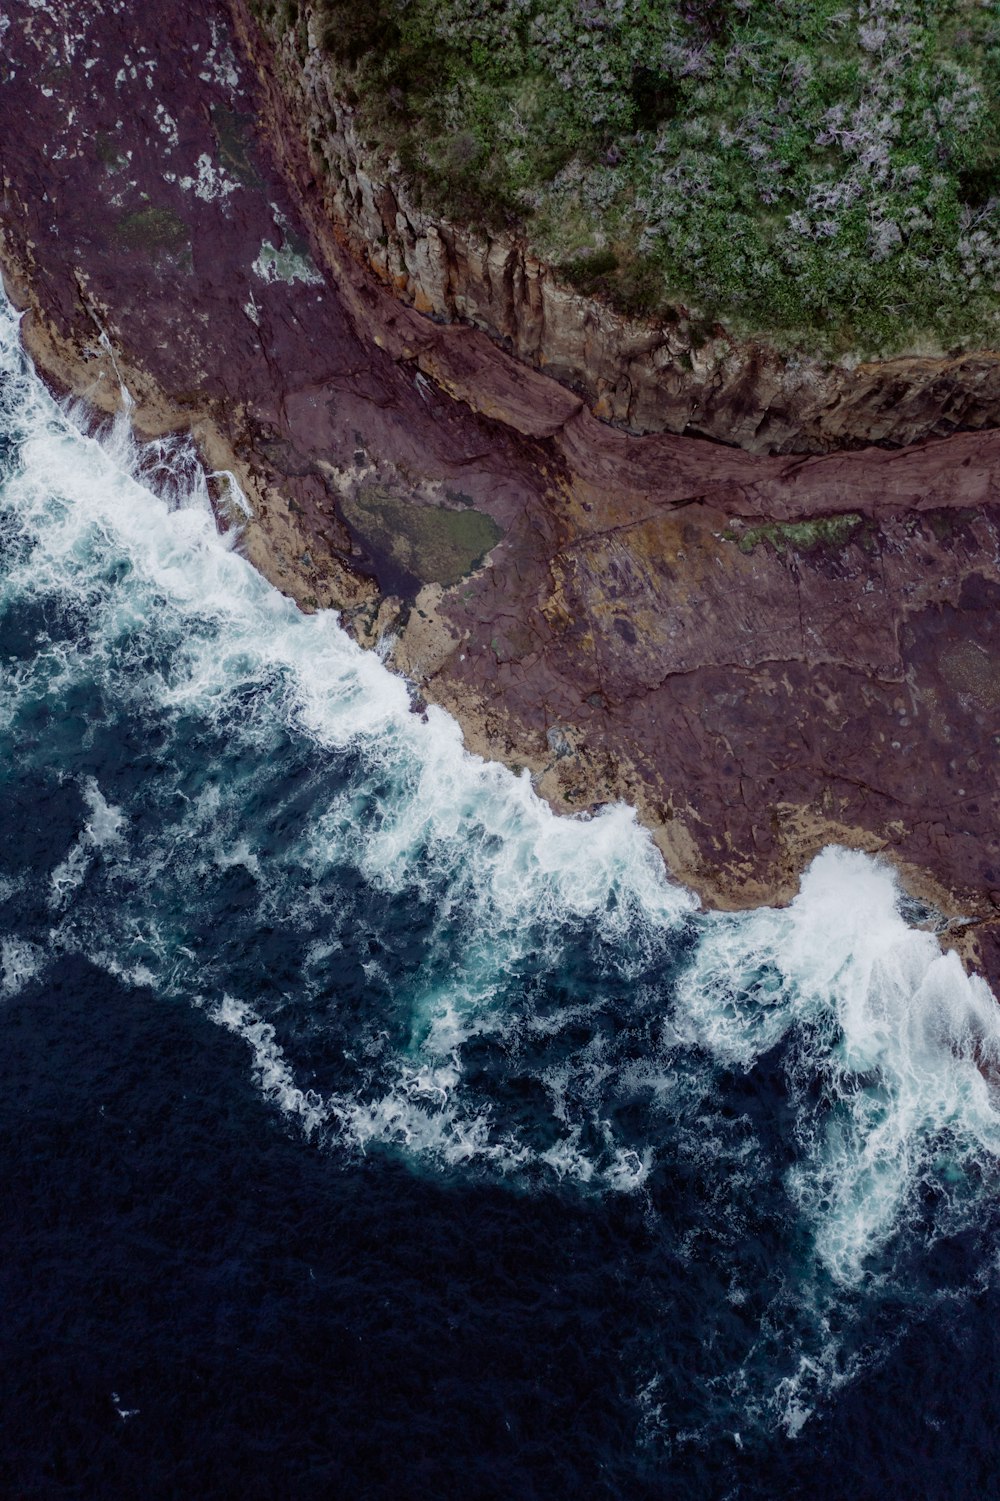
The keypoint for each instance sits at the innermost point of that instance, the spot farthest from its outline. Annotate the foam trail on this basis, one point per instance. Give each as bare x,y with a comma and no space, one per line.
233,651
454,973
271,1071
101,832
20,962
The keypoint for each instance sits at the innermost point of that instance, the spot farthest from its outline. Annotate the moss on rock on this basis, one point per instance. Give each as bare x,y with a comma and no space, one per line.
425,544
798,536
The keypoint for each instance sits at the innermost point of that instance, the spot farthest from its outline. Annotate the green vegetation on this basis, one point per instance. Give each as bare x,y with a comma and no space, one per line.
155,231
430,544
234,133
108,153
825,171
800,536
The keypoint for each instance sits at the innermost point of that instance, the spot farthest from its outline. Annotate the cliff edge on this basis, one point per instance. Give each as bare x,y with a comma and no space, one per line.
762,653
675,370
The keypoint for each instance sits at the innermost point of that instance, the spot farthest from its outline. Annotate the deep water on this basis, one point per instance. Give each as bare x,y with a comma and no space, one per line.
367,1131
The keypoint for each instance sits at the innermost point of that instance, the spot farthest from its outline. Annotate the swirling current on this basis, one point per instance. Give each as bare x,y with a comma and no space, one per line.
370,1131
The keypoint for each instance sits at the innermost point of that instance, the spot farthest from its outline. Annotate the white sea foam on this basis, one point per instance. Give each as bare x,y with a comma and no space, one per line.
271,1071
907,1045
104,827
890,1047
102,831
20,962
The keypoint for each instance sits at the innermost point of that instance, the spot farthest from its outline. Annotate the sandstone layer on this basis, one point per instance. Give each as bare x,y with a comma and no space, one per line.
677,376
763,653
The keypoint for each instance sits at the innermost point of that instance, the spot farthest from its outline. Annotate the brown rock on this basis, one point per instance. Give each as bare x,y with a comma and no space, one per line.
763,653
648,377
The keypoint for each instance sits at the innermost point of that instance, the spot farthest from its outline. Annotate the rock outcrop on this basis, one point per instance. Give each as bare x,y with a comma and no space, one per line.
679,376
764,654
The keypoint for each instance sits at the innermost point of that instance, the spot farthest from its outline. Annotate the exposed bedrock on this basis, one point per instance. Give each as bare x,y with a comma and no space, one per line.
677,377
763,653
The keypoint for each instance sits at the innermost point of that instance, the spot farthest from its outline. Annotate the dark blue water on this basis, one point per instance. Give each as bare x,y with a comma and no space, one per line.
367,1131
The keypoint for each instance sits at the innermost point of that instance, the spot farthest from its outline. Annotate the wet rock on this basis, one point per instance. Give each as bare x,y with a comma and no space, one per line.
764,653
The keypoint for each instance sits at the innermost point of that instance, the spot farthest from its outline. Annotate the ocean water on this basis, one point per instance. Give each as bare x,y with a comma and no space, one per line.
369,1131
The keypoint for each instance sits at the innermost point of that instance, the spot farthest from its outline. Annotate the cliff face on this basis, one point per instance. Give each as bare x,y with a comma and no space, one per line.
645,377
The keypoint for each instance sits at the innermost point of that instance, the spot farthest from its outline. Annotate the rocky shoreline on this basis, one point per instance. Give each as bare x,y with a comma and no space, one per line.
762,653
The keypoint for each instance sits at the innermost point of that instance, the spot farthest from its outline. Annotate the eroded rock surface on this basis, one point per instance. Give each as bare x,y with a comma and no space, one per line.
681,376
763,653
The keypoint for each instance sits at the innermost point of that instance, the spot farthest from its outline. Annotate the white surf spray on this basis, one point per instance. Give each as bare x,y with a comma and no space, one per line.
125,532
887,1048
906,1044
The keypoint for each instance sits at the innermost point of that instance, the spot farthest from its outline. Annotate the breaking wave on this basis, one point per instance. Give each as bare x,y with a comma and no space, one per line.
423,960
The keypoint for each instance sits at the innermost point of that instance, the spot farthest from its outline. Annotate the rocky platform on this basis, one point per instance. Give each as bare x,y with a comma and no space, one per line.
764,654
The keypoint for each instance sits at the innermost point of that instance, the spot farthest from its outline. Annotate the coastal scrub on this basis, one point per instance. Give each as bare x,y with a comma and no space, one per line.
828,174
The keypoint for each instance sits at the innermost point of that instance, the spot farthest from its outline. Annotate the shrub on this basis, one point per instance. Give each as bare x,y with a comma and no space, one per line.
827,174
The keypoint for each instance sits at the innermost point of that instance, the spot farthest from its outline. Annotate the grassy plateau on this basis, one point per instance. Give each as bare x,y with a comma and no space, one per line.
825,174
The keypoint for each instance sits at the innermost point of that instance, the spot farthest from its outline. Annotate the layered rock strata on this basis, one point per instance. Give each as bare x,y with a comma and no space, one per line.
677,376
762,653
